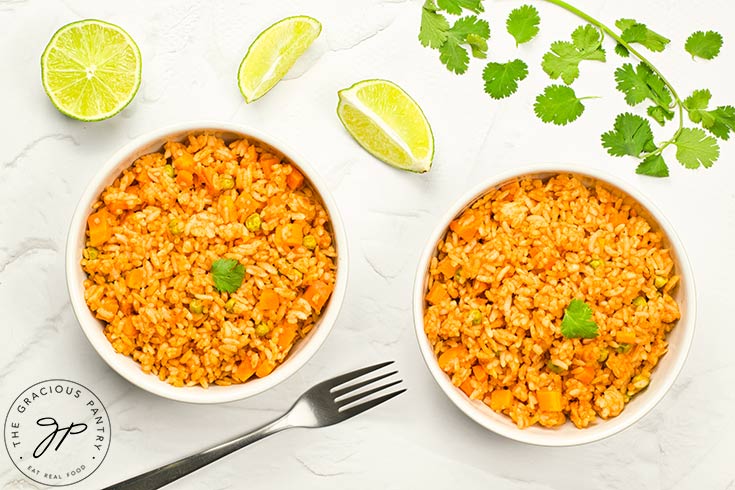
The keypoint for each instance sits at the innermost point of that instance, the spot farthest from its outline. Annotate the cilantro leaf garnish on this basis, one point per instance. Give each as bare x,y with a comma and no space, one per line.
719,121
523,23
455,6
635,32
641,83
558,104
454,56
564,58
705,45
501,79
695,148
631,135
577,322
434,26
653,166
227,275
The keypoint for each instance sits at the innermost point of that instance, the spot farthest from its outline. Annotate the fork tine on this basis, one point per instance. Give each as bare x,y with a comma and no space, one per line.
344,378
349,388
363,394
362,407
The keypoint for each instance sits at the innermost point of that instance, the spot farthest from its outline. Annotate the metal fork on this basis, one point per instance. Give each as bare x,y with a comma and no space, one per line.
323,405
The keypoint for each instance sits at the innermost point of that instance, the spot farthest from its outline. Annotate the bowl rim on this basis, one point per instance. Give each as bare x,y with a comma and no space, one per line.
550,438
114,165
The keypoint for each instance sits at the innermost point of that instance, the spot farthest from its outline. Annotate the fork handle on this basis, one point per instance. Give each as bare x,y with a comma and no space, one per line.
171,472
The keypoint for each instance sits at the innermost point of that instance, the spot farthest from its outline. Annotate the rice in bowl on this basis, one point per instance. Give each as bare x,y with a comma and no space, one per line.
154,234
507,269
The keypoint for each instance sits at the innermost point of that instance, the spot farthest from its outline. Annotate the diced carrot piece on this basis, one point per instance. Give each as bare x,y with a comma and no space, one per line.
184,177
625,337
584,374
291,234
549,400
99,227
450,356
265,367
437,294
246,205
134,279
447,268
108,309
266,164
467,387
317,295
286,335
269,300
295,179
480,373
143,176
207,175
129,329
500,399
480,287
184,162
467,225
244,370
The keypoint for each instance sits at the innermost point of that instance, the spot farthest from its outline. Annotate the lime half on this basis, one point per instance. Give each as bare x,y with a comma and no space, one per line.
91,69
273,53
388,123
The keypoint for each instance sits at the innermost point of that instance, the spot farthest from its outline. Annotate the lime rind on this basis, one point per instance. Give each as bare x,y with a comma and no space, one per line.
52,92
385,143
289,53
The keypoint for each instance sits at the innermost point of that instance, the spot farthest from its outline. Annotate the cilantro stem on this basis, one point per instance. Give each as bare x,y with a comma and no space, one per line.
637,54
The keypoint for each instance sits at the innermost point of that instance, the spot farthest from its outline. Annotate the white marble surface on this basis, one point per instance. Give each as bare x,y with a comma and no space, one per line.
191,50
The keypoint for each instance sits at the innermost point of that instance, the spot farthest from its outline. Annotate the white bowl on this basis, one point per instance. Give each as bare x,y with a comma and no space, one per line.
567,435
93,328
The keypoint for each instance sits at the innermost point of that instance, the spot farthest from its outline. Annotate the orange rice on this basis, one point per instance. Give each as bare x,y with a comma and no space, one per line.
506,271
154,234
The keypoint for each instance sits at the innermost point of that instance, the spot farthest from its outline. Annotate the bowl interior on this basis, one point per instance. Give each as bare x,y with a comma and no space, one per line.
663,375
126,366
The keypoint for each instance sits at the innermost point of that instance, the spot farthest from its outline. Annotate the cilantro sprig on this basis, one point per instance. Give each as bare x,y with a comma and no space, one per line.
453,40
227,275
523,23
705,45
639,81
577,322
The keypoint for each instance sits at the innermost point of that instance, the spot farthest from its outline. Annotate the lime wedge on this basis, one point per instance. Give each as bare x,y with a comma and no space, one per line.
273,53
388,123
91,69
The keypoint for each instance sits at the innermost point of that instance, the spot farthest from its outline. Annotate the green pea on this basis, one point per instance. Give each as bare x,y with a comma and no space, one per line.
555,368
230,305
475,317
623,348
226,182
253,222
92,253
196,307
595,263
168,169
660,282
309,242
176,226
262,330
